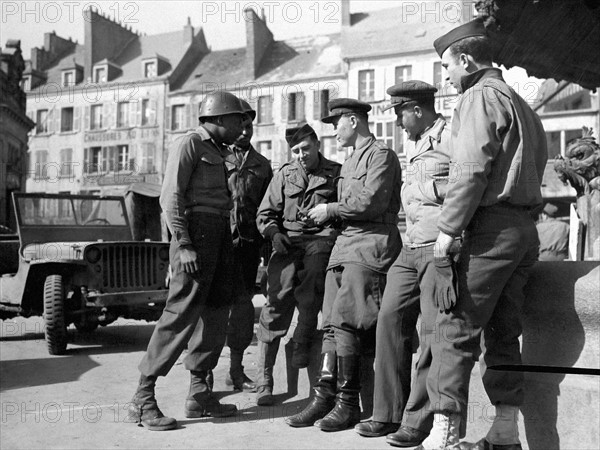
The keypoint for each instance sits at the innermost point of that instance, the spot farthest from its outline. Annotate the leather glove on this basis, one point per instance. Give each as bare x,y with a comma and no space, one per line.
446,283
281,243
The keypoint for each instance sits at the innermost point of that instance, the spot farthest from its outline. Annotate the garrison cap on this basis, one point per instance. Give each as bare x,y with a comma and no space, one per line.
409,91
248,109
469,29
340,106
294,135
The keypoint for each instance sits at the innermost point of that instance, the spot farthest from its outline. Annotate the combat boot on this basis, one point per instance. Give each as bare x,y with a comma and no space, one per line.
144,410
445,433
236,376
504,433
323,395
200,401
346,412
267,353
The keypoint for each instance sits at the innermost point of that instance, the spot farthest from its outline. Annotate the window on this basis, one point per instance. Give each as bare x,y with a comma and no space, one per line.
147,162
66,119
148,113
265,148
320,100
437,75
93,159
66,162
265,111
178,117
68,78
96,117
385,132
122,114
296,106
149,69
26,83
403,73
100,75
41,125
366,85
122,162
41,159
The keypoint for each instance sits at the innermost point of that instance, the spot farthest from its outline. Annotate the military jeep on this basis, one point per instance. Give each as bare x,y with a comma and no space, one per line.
78,263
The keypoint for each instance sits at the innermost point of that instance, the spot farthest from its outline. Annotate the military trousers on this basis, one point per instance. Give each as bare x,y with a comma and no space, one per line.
500,246
240,329
408,292
198,304
296,279
353,296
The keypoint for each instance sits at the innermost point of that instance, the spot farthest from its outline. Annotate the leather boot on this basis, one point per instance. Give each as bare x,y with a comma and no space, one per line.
144,410
445,432
346,412
267,353
200,401
323,394
236,376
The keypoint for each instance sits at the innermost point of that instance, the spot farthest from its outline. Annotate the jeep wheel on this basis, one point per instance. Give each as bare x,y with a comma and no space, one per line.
54,315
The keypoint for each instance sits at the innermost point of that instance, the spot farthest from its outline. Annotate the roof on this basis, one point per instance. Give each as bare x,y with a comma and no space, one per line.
549,38
290,60
389,32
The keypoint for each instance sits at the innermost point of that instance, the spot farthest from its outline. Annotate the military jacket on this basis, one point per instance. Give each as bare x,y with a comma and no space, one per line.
292,193
498,151
369,201
248,180
425,183
195,176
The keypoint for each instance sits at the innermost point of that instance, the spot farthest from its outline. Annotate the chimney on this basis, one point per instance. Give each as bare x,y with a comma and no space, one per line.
345,10
258,39
188,32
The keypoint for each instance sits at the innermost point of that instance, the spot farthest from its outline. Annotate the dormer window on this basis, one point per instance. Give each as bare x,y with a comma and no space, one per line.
26,83
68,78
100,74
150,69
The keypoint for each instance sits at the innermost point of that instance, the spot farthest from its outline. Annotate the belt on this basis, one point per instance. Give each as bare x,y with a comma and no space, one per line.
208,209
387,218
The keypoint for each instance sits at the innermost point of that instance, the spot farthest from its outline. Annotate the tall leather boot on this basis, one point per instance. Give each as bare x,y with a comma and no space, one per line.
267,353
200,401
346,412
144,410
323,394
236,376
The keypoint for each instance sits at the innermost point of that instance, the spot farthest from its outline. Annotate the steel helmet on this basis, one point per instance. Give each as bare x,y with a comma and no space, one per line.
248,109
220,103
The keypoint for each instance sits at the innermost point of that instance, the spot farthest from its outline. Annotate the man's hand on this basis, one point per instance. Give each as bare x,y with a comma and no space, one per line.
189,259
319,213
443,245
281,243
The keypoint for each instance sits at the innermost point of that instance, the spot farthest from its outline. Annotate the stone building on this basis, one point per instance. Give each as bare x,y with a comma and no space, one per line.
15,125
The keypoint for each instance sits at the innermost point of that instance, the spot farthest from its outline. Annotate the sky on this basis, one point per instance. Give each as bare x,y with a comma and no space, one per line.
222,21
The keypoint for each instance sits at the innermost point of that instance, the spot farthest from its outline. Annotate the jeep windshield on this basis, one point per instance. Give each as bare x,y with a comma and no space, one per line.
70,218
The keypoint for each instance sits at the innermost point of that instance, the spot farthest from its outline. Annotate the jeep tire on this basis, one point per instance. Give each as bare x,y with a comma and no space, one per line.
54,315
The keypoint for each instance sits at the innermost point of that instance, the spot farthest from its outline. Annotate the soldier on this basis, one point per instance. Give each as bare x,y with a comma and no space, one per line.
301,248
410,280
368,205
553,235
197,203
249,176
499,156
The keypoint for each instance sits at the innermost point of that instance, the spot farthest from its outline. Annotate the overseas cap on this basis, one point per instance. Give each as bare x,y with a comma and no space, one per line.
296,134
469,29
340,106
409,91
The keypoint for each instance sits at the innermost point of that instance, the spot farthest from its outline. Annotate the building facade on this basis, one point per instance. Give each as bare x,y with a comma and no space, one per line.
15,125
